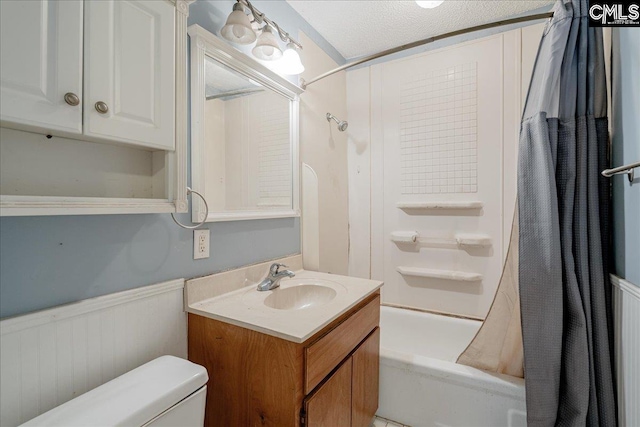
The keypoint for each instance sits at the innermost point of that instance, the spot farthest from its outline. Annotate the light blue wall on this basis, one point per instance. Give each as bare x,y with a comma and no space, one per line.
625,138
48,261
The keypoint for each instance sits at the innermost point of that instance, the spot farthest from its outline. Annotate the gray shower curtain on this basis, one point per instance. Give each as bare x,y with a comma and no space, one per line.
564,228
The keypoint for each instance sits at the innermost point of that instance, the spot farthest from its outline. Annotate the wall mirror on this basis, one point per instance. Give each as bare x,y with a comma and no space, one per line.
244,134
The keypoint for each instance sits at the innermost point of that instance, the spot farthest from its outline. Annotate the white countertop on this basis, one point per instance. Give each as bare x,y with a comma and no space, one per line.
245,307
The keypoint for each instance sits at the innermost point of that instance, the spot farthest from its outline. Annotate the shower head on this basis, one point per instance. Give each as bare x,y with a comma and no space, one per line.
342,124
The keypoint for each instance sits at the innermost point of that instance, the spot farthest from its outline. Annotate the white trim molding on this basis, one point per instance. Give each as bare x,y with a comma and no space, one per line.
178,159
56,314
625,286
626,326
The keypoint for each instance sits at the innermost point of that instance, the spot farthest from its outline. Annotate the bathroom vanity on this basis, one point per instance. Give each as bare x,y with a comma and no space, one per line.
303,354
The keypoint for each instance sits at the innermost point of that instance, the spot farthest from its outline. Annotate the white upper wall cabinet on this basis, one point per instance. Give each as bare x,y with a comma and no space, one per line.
129,72
93,106
41,57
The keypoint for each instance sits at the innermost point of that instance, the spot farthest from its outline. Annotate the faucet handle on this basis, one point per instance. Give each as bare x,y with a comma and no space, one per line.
275,268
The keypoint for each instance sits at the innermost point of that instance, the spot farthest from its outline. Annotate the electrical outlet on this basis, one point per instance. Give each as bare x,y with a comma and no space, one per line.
200,244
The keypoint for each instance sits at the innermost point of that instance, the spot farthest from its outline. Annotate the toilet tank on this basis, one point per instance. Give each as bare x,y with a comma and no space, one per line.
167,391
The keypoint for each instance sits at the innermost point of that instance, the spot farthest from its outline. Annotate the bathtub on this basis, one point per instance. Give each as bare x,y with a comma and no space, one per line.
421,385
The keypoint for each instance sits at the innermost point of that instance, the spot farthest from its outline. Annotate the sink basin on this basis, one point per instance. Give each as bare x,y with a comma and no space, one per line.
300,297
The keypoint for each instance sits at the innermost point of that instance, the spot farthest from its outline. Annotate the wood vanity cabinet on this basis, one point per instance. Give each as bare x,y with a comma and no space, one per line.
256,379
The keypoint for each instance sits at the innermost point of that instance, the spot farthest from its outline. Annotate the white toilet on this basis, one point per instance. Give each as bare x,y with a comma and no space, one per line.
167,391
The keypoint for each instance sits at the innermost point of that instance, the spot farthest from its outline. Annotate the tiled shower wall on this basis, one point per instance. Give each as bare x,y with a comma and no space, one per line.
438,129
438,138
274,153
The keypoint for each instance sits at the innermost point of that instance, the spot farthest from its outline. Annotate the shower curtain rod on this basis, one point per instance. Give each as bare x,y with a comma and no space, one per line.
535,17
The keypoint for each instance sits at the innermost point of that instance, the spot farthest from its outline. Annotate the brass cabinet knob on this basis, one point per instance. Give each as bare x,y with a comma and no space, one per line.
102,107
71,99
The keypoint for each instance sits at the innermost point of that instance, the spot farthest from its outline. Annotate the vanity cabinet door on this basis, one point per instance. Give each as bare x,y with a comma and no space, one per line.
365,378
328,351
129,72
330,405
40,62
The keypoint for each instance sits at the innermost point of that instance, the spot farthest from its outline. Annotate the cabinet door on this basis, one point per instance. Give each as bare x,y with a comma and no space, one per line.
330,405
41,61
129,54
366,373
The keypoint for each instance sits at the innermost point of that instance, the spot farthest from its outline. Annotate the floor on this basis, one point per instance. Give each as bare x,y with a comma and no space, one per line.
382,422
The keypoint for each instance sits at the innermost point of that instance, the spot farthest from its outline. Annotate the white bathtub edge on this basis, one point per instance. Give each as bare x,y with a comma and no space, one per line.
467,376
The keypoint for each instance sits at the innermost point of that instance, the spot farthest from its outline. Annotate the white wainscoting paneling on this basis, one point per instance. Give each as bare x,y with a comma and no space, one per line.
52,356
626,303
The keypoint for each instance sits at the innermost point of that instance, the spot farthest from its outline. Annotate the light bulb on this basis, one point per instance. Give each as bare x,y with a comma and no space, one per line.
238,28
429,4
267,47
291,63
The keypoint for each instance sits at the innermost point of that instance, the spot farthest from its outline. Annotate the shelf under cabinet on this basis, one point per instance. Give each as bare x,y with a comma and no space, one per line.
61,176
55,205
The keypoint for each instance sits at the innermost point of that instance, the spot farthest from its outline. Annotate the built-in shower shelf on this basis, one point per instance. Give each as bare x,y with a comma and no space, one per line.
461,240
440,205
431,273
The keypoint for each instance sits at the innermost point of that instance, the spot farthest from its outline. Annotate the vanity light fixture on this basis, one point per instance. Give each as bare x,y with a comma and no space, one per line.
242,29
238,27
429,4
267,47
291,63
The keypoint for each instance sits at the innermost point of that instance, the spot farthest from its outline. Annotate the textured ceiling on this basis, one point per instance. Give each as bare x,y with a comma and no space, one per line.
357,28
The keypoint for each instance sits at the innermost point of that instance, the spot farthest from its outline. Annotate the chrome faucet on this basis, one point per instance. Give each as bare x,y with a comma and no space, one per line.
272,280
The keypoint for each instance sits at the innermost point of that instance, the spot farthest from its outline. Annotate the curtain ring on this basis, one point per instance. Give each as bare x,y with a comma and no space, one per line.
206,215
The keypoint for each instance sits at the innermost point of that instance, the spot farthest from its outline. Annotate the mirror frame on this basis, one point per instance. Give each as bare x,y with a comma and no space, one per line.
204,44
